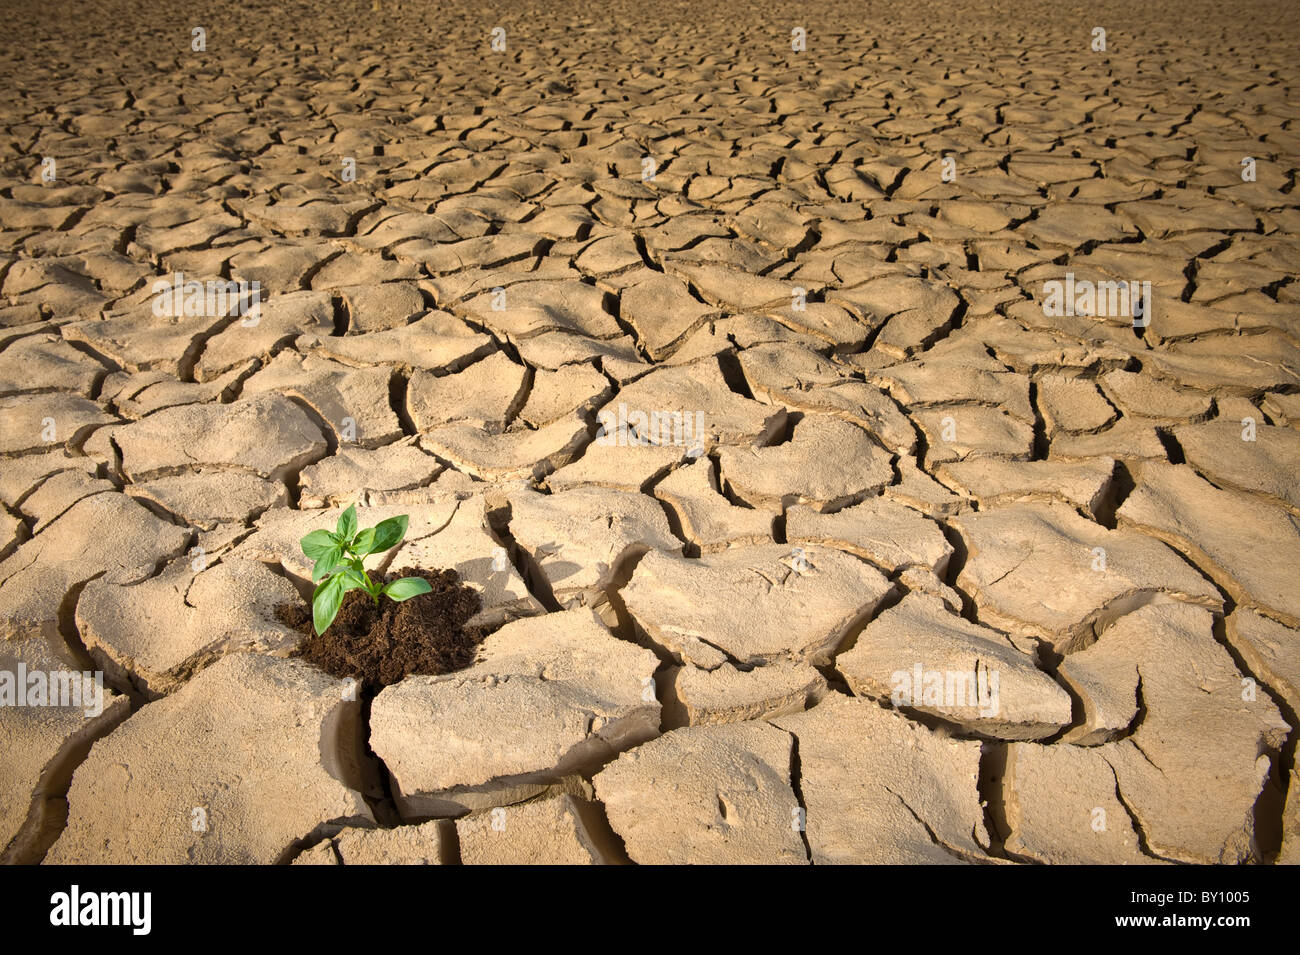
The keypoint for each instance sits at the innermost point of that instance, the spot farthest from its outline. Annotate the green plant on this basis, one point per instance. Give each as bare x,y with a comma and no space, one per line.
339,555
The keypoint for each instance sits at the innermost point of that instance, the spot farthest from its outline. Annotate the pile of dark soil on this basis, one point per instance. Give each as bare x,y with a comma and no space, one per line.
381,645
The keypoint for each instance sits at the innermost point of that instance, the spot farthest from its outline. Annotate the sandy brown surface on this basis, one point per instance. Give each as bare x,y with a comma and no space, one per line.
915,568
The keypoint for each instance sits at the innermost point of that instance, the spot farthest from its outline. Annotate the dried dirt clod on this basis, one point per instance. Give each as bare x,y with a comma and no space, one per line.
551,696
580,538
43,739
267,434
1200,724
561,830
729,695
755,604
157,633
181,781
1248,543
1290,853
427,844
921,657
878,788
1062,808
706,795
1041,571
106,535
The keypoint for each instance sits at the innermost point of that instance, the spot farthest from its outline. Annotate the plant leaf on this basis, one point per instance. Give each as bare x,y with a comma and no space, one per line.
347,525
389,533
317,543
326,563
352,579
406,588
364,542
326,602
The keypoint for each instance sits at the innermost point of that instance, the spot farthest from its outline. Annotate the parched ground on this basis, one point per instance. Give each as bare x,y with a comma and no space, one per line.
928,573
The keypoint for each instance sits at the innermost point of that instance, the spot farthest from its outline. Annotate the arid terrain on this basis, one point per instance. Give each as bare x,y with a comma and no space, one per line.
872,429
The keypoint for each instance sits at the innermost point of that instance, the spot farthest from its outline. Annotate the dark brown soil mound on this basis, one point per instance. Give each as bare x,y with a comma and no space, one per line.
382,645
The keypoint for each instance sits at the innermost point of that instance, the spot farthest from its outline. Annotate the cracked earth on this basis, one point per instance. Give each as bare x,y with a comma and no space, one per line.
470,260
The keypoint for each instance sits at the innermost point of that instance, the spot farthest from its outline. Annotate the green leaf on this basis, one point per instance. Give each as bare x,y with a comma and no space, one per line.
326,602
364,542
406,588
316,544
389,533
347,525
326,563
352,579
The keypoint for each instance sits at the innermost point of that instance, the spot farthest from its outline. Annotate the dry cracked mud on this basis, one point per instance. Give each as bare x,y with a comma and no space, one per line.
717,352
